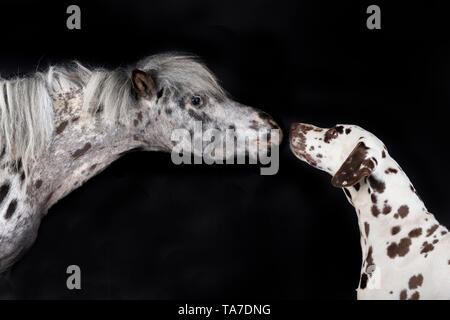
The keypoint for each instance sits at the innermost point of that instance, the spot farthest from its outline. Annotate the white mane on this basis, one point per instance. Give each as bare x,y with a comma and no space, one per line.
26,106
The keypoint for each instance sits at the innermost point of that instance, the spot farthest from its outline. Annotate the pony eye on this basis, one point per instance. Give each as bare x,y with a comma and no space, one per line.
196,101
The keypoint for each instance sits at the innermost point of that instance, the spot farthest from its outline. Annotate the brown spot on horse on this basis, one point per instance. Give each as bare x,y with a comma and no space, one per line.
78,153
61,127
38,183
4,189
11,209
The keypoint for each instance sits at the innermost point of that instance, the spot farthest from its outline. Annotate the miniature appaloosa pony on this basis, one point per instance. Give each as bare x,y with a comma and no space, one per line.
61,127
406,252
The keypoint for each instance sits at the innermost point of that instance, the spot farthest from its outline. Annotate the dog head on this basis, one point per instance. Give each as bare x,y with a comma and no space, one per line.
347,152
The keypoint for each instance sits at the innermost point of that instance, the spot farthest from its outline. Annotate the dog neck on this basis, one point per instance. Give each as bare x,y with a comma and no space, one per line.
390,212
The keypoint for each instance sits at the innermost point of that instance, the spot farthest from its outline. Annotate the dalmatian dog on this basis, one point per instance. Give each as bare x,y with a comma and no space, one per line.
406,252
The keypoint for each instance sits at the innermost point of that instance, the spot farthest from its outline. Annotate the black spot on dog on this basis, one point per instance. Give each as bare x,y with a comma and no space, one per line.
426,247
375,211
11,209
376,184
387,209
366,228
400,249
369,258
391,170
403,211
168,111
340,129
363,283
395,230
403,295
432,230
357,186
348,130
373,197
414,233
415,296
383,154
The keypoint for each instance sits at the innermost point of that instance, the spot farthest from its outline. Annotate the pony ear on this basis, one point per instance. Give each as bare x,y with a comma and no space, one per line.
142,84
357,166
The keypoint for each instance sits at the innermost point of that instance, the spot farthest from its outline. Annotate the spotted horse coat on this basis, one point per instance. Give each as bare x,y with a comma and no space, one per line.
98,115
406,252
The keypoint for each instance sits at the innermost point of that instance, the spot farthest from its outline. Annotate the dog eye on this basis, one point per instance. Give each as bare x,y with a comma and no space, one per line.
332,133
196,101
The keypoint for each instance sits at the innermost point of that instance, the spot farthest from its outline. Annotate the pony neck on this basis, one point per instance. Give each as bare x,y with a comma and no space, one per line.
82,145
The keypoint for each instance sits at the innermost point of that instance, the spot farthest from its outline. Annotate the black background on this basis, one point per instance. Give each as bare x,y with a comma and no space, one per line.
146,228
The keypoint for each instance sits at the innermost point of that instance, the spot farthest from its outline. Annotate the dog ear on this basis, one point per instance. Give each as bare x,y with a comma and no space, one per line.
357,166
142,84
